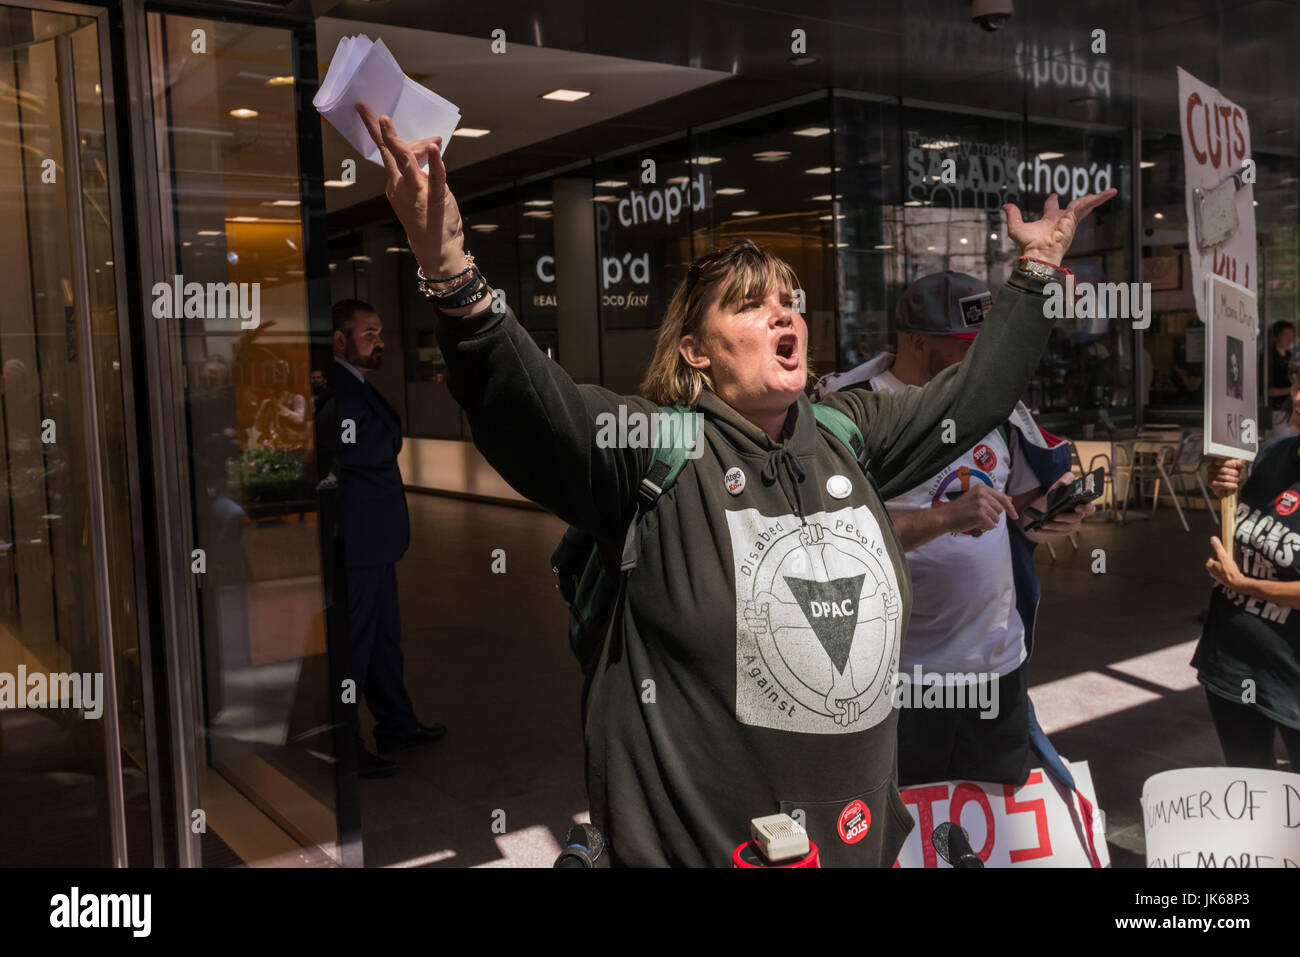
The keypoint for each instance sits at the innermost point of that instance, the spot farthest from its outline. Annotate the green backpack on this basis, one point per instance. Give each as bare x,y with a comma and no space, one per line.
585,574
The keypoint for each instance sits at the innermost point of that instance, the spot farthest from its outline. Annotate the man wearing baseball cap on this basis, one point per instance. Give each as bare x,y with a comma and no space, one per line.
974,588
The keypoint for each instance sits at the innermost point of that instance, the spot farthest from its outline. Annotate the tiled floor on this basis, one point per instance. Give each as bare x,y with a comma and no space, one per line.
487,654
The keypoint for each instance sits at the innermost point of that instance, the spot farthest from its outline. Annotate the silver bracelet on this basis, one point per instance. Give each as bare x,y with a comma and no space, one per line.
429,287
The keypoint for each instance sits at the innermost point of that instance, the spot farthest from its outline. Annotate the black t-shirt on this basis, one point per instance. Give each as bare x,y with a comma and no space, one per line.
1279,378
1250,639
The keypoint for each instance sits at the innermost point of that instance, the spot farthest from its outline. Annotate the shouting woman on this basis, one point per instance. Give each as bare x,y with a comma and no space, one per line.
748,668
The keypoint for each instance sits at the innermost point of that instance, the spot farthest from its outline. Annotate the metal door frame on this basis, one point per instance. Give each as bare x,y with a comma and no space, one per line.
162,389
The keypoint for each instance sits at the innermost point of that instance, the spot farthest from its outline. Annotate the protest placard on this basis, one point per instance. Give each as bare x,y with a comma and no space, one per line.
1231,331
1040,824
1222,817
1220,210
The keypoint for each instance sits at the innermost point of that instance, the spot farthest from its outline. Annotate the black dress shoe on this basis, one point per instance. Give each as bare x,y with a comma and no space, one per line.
373,766
424,734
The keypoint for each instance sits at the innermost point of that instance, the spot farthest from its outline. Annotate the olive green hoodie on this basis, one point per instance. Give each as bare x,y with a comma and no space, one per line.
750,664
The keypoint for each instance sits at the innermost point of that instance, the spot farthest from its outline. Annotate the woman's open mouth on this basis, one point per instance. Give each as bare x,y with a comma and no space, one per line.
786,351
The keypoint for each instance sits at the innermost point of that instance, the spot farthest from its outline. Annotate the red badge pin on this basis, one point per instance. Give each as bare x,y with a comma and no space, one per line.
985,458
854,822
1287,502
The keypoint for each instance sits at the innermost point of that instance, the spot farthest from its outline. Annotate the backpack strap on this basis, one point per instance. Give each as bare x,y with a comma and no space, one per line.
843,428
679,433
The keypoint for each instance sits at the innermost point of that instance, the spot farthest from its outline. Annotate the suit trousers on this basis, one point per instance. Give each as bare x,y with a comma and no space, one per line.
376,630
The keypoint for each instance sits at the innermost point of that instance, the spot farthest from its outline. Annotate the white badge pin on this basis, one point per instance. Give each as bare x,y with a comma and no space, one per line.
839,486
735,480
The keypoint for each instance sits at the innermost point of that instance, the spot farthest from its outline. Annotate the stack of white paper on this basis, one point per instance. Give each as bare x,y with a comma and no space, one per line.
363,71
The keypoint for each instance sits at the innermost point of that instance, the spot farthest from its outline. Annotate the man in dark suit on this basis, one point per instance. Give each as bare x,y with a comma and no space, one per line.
360,438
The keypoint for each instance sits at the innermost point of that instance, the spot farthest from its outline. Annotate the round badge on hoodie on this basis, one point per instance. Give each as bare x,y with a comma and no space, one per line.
735,480
854,822
839,486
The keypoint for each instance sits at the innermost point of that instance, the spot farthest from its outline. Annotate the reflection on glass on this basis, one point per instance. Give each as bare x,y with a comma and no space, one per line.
229,169
55,783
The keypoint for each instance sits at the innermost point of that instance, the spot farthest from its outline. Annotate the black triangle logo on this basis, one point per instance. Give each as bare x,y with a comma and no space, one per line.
831,609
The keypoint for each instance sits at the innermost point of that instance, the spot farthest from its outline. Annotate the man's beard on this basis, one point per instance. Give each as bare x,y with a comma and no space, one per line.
372,361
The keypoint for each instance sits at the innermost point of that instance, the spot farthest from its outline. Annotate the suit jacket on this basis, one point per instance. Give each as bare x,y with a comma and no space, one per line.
376,526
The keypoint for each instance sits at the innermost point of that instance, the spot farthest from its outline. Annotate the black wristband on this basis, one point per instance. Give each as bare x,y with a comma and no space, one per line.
466,295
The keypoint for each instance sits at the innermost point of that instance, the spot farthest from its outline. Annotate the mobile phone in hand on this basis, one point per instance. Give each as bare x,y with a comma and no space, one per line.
1067,497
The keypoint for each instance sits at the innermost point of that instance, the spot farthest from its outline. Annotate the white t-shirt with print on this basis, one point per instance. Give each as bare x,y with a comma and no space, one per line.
964,616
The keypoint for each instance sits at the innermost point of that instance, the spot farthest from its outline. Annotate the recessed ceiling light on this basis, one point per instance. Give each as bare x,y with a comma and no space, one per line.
1050,156
187,243
485,227
393,249
819,170
470,132
772,156
745,212
539,213
939,145
829,216
813,131
359,259
729,191
243,219
604,198
279,81
964,240
885,246
1146,164
993,235
706,160
826,197
243,113
287,202
1254,202
567,96
527,236
1160,215
678,180
539,202
338,182
929,249
913,202
210,232
612,183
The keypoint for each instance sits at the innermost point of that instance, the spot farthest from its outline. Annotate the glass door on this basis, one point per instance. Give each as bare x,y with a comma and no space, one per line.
257,712
74,752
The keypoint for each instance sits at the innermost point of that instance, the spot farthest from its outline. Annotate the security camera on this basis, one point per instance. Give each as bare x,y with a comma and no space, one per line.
991,15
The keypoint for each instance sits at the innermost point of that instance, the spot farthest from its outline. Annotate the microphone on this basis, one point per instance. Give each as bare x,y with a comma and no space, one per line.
953,844
585,845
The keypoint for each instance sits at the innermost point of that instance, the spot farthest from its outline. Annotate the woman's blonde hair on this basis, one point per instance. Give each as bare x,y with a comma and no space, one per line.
727,277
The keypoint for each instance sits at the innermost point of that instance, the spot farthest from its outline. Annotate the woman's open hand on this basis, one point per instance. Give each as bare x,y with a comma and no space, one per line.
1048,238
422,201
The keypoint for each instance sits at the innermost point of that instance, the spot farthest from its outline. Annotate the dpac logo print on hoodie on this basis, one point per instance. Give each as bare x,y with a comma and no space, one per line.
817,621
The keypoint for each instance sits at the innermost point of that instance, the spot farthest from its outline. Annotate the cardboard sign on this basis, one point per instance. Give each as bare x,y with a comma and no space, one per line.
1222,817
1216,144
1037,825
1231,407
